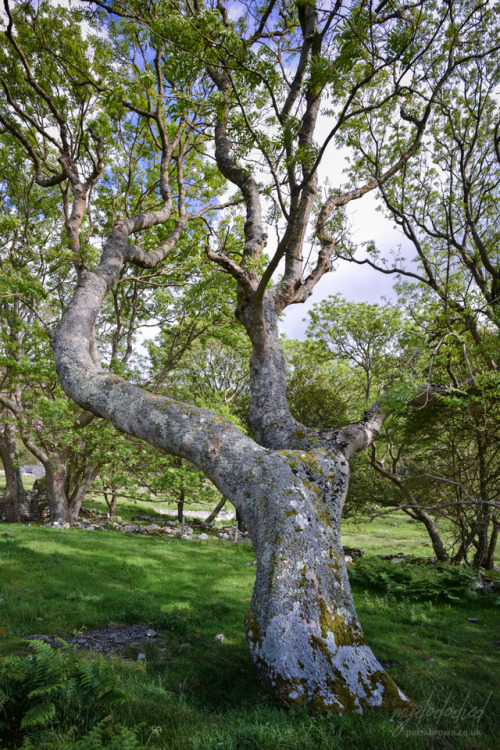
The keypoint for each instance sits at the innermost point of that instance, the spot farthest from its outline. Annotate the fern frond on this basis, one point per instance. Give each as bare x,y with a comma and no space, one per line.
38,715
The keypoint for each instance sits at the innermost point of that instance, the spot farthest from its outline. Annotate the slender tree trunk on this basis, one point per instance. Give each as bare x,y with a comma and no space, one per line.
213,515
111,503
466,537
482,540
434,534
416,513
78,495
484,511
180,506
14,500
489,562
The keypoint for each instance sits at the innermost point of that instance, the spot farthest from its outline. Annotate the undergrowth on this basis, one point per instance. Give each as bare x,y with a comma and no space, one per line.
51,691
438,582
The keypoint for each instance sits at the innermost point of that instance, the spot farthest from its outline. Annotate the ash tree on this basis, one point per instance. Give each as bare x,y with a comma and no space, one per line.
224,102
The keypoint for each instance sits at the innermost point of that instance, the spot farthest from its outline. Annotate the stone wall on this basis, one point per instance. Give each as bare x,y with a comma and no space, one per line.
37,504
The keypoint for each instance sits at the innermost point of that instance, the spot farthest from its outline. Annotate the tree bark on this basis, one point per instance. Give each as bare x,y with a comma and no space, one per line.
240,523
489,562
111,503
433,531
304,635
14,500
55,474
180,506
78,495
213,515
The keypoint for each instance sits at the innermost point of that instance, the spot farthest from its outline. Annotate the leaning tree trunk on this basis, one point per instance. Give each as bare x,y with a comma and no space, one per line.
85,481
14,500
433,532
213,515
489,563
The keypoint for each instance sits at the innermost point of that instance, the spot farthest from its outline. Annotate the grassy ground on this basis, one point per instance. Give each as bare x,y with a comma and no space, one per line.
204,695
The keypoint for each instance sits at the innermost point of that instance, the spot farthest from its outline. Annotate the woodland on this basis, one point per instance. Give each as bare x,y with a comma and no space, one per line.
160,209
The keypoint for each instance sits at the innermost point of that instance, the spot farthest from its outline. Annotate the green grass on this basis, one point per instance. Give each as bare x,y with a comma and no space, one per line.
205,695
390,534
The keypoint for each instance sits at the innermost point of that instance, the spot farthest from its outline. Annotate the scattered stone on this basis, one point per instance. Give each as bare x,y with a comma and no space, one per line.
391,557
114,638
219,638
203,536
354,551
141,656
143,518
473,619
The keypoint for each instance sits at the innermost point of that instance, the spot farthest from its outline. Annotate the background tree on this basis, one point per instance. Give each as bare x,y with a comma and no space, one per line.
446,203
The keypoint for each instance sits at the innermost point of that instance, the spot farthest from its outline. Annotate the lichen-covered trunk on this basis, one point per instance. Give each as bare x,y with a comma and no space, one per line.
302,628
14,499
289,485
